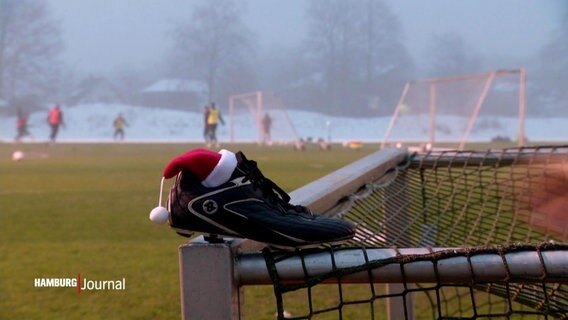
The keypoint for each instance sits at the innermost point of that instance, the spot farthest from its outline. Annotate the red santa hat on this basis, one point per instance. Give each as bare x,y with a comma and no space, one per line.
212,168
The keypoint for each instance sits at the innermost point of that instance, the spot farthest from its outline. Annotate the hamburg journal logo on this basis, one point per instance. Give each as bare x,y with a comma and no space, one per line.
82,283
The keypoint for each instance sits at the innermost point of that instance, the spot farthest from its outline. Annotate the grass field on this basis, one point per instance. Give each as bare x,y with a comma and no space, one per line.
83,208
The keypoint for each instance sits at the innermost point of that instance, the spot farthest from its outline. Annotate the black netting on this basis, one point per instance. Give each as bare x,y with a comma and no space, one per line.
484,204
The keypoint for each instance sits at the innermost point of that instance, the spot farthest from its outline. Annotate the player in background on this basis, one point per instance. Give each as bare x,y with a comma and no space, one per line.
266,126
22,126
55,120
206,125
212,121
119,123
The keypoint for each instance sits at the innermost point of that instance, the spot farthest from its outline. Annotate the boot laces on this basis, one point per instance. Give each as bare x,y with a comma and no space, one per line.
272,192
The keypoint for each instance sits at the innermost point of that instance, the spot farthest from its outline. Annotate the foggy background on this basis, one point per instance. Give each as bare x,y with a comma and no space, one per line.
335,57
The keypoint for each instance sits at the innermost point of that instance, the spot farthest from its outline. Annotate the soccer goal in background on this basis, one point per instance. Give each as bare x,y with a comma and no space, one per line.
459,109
249,110
440,235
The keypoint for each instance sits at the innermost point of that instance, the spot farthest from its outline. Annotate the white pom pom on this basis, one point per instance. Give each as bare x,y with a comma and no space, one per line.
159,215
18,155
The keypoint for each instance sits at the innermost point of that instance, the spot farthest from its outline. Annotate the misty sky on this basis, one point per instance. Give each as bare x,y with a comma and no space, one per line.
103,35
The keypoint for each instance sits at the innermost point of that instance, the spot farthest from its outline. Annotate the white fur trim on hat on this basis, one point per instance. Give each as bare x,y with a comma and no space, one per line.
222,171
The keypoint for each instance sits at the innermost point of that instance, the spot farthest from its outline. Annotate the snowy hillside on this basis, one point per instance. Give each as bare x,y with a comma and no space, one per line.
93,122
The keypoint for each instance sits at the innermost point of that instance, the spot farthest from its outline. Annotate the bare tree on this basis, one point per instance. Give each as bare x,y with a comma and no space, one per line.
213,43
448,54
552,78
358,46
29,44
383,49
387,63
332,40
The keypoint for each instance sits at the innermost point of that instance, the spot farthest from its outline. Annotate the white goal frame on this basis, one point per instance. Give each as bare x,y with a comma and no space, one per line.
489,78
256,103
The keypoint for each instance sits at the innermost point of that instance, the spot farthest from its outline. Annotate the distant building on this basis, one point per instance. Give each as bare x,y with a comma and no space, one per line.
174,94
95,90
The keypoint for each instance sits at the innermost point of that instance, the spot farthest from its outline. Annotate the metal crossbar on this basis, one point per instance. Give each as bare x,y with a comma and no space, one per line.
489,264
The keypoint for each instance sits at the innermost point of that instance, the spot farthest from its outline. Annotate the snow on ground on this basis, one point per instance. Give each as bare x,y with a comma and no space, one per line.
93,122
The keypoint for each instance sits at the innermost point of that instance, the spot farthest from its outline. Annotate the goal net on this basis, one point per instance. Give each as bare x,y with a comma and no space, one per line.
451,111
457,234
260,117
